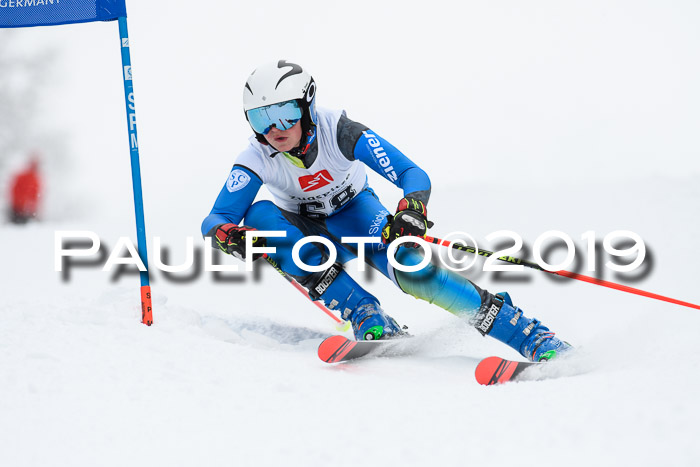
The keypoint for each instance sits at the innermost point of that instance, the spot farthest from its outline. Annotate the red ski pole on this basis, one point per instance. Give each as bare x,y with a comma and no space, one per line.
570,275
341,325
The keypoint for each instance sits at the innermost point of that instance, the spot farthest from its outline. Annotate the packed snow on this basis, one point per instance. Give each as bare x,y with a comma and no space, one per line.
528,118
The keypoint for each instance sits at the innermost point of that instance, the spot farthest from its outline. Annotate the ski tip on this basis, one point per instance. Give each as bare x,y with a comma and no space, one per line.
493,370
333,348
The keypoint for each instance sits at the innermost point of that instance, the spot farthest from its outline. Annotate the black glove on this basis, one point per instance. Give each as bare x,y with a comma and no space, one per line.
410,219
230,239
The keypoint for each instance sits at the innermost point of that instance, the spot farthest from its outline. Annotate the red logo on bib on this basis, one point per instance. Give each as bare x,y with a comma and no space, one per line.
315,181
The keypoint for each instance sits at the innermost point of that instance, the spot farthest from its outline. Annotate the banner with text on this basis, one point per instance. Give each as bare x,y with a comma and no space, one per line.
27,13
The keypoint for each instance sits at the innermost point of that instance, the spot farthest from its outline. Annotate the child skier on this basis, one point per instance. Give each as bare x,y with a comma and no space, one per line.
313,163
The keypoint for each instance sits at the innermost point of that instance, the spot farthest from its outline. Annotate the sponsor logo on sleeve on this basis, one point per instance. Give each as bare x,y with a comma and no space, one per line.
380,156
237,180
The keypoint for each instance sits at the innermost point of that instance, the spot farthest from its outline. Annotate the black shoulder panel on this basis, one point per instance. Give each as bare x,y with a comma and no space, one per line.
349,132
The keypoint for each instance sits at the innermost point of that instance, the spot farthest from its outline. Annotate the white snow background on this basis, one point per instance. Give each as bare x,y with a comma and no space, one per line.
528,116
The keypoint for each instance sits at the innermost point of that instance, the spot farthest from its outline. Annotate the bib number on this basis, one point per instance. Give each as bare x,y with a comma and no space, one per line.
314,209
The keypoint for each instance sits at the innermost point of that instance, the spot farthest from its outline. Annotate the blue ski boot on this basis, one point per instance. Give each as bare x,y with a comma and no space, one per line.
499,319
340,292
369,322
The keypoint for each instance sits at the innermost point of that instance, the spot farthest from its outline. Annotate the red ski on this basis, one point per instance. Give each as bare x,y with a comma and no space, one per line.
340,349
496,370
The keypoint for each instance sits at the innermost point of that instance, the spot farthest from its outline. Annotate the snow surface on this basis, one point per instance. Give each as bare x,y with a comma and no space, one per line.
575,117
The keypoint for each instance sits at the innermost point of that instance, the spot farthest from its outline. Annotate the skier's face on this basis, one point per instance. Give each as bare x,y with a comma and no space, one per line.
285,140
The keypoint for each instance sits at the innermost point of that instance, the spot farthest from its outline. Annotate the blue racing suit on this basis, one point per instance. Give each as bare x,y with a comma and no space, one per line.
326,193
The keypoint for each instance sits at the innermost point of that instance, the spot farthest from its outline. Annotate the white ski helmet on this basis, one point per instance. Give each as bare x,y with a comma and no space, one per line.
276,83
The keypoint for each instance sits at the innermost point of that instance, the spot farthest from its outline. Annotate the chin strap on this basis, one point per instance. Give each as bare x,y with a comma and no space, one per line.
310,138
296,155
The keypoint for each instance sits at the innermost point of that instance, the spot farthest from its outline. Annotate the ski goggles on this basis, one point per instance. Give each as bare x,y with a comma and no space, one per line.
282,116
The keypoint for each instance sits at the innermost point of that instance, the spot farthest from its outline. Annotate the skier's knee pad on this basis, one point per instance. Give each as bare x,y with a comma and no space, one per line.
337,289
264,215
435,284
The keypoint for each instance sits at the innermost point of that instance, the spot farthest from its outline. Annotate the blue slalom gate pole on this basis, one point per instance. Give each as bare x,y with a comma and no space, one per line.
15,14
146,307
